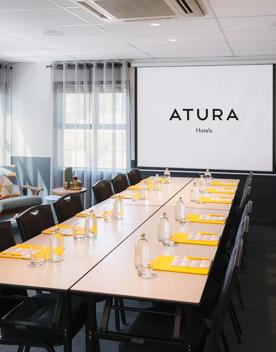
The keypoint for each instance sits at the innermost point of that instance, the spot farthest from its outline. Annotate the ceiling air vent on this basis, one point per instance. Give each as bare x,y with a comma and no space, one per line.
137,10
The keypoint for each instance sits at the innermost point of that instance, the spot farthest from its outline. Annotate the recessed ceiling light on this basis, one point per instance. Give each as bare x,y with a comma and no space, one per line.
172,40
53,33
155,24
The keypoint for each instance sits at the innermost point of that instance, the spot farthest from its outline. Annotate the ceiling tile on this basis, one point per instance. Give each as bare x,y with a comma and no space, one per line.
188,47
237,8
113,56
166,27
99,49
66,3
223,52
262,45
251,36
7,43
180,38
12,5
37,18
28,53
260,23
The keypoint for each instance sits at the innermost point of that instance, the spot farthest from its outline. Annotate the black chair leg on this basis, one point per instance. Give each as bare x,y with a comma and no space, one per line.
117,316
224,341
234,324
235,316
20,349
123,313
238,290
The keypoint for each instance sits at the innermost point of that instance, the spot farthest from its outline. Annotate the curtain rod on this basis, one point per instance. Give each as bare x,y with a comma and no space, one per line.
81,66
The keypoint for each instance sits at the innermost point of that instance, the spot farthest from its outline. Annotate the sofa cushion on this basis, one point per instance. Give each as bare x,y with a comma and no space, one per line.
11,172
19,202
8,188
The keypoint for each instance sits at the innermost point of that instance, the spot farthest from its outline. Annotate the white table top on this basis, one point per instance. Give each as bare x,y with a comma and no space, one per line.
116,275
185,193
80,255
159,198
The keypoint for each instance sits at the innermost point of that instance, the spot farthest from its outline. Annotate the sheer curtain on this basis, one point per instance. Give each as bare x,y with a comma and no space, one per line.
5,114
91,121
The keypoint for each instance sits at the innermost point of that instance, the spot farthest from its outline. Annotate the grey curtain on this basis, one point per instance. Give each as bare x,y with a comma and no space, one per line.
5,113
91,121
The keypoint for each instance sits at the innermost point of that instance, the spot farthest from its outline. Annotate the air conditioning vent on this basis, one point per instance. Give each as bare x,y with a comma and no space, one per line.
92,9
136,10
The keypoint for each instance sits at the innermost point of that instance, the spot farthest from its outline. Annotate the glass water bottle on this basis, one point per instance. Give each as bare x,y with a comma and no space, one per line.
167,175
142,257
164,231
91,225
180,210
194,193
207,177
118,209
56,247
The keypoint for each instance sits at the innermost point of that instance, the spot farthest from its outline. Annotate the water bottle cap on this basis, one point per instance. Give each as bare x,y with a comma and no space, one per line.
143,235
164,214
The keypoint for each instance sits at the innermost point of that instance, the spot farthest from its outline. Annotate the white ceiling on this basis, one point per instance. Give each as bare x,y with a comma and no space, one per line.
230,29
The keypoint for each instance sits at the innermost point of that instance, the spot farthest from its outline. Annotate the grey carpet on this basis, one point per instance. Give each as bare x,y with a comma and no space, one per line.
258,319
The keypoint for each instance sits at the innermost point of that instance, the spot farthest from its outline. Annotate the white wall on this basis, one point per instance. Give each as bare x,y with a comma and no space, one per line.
32,112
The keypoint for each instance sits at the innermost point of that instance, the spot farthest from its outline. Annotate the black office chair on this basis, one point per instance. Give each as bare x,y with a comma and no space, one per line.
119,183
134,176
224,303
34,220
213,288
6,241
68,206
102,190
42,321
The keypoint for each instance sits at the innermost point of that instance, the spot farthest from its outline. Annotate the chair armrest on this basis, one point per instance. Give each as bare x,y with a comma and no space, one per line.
34,190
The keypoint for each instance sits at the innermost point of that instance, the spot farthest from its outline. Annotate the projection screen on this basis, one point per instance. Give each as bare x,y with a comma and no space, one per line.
216,117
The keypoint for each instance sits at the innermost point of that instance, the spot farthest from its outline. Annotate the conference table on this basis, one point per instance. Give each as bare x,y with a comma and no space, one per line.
104,265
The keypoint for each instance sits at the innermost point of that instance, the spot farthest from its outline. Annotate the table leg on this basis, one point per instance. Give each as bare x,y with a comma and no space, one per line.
92,343
67,331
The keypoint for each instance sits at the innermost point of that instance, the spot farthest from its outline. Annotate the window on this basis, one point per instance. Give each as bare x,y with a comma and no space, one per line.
95,129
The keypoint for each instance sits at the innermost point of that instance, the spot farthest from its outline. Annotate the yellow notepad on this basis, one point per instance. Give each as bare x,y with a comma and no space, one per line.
220,191
214,200
224,183
180,264
22,251
135,188
200,238
50,230
217,219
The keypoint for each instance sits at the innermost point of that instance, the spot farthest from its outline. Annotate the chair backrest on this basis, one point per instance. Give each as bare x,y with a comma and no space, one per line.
134,176
68,206
34,220
102,190
224,300
6,236
119,183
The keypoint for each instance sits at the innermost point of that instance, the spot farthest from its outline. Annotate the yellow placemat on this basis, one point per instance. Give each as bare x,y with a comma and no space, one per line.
214,200
50,230
22,251
122,196
220,191
224,183
135,188
217,219
179,264
200,238
66,230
